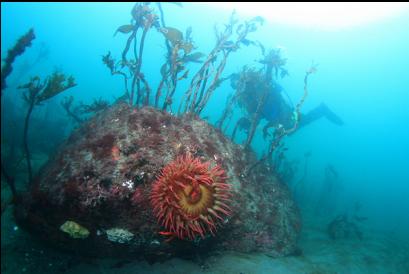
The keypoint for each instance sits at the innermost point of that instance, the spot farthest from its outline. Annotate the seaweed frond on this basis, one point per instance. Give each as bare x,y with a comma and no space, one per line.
56,83
18,49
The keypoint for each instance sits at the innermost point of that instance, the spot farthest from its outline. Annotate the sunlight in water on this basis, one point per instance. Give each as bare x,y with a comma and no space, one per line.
328,16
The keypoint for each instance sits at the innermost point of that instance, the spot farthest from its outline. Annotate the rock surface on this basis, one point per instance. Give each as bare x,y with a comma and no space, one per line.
101,178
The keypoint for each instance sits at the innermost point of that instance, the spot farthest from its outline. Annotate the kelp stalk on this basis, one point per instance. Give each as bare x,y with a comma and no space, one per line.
25,140
142,17
162,20
18,49
202,101
112,66
280,131
256,118
173,72
66,104
224,46
37,93
138,67
198,78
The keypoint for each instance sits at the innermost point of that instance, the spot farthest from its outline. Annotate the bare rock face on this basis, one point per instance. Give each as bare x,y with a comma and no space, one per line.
100,183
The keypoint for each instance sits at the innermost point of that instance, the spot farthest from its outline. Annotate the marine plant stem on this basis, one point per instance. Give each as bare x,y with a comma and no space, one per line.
132,91
25,140
135,52
159,91
138,66
196,83
128,44
147,89
256,118
215,83
200,104
162,19
125,80
200,79
13,53
282,132
131,38
173,72
168,100
203,87
227,113
235,130
169,55
73,115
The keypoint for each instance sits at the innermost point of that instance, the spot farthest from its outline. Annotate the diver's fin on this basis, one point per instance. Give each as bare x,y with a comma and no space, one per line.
330,115
320,111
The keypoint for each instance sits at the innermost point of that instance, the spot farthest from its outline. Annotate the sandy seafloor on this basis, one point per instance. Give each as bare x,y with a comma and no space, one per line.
376,253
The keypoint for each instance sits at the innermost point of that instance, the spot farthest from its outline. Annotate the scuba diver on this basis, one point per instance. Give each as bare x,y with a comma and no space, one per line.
276,110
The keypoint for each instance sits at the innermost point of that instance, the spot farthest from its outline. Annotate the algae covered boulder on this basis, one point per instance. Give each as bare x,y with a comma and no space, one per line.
144,183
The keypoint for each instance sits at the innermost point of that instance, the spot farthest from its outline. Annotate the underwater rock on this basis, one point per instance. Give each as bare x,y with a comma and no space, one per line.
119,235
103,176
75,230
342,228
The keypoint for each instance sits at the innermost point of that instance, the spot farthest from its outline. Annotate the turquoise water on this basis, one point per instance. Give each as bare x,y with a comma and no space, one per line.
362,76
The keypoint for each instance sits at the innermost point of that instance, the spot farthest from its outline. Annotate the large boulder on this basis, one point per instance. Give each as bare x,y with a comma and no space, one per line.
107,191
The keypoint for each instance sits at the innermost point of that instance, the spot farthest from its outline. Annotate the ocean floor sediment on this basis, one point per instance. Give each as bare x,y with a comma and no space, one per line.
377,252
